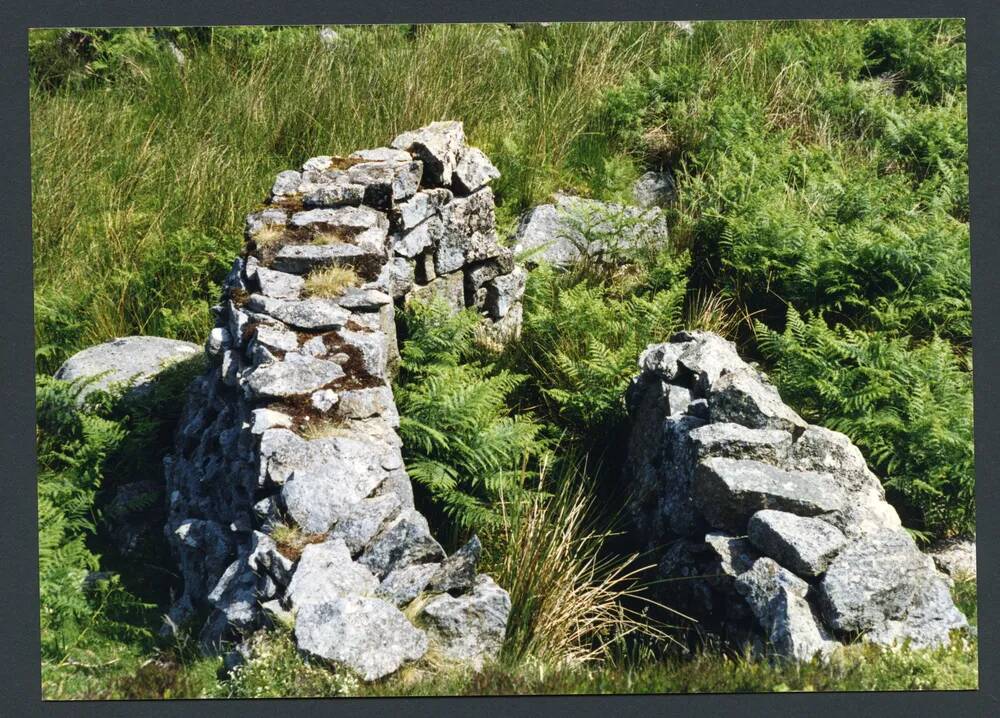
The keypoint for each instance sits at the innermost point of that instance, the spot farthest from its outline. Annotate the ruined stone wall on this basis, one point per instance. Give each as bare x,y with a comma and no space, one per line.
287,492
768,530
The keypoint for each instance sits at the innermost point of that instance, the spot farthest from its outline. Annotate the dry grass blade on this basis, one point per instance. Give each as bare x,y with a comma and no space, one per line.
570,605
330,282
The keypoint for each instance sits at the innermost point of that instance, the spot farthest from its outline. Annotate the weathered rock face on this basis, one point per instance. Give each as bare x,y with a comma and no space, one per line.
571,227
773,530
292,431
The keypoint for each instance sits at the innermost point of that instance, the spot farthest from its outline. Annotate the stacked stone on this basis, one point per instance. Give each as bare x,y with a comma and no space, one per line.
771,531
293,429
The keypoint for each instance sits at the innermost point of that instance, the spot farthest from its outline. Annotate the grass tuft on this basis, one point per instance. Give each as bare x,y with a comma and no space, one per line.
330,282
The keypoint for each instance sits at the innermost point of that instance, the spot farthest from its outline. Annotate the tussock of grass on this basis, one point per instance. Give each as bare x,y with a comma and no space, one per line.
715,312
292,540
568,598
330,282
269,236
324,428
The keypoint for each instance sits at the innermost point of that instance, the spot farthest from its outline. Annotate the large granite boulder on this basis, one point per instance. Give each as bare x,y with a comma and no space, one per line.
129,361
771,531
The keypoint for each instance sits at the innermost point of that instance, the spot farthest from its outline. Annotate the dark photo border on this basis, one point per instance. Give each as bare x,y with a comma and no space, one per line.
20,681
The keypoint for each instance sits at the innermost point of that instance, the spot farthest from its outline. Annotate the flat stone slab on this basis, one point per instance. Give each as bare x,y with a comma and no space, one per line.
297,374
804,545
729,491
733,441
135,360
303,258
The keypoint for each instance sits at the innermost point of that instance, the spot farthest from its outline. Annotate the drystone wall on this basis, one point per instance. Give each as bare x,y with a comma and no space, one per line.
288,497
770,531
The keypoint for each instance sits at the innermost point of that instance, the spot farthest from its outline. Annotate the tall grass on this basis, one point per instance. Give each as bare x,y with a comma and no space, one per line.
140,182
572,602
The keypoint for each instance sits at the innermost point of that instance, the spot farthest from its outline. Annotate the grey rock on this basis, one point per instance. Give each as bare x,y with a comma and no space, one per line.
820,449
373,348
573,228
777,598
504,292
426,203
382,154
366,403
326,572
471,627
348,219
741,398
314,313
286,183
297,374
232,366
804,545
365,300
264,419
734,555
265,219
275,339
303,258
329,37
882,586
218,341
396,278
316,498
406,583
324,399
129,361
457,573
478,274
368,635
474,170
449,288
729,491
316,347
317,164
469,232
266,560
705,358
438,145
387,182
406,540
362,521
654,189
738,442
955,557
414,241
279,285
234,599
337,191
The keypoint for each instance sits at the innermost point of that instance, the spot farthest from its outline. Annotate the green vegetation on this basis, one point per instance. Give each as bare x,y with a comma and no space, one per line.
821,222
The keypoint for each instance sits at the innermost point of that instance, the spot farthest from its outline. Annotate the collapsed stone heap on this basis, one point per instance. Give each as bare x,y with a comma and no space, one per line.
289,439
770,531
